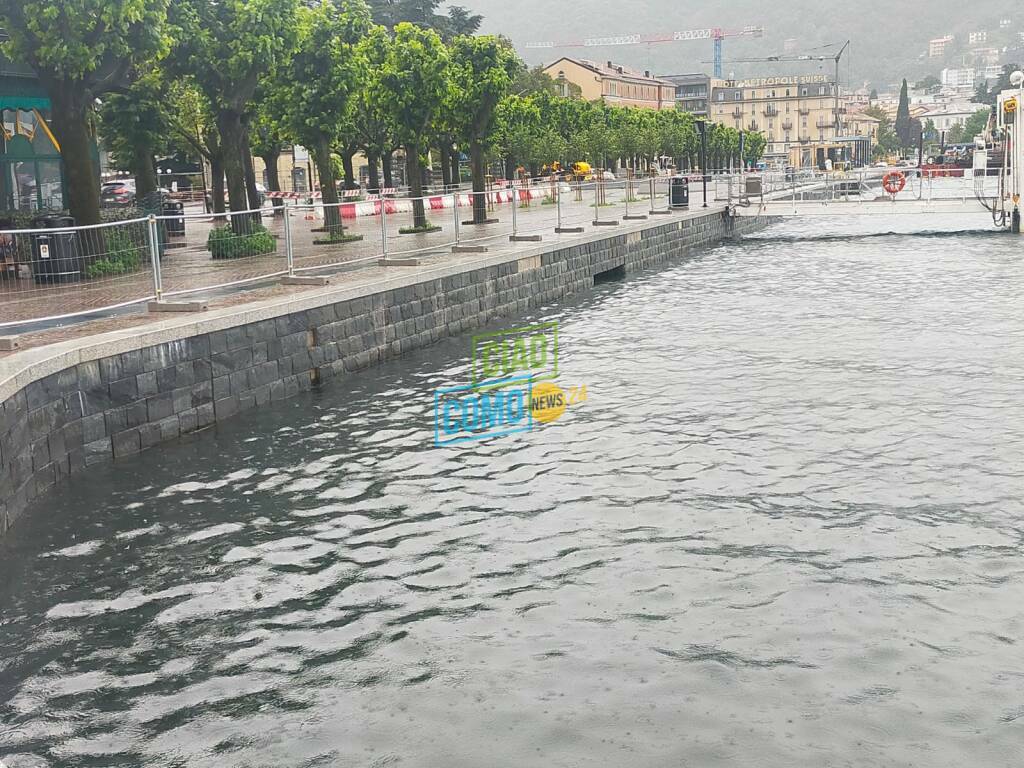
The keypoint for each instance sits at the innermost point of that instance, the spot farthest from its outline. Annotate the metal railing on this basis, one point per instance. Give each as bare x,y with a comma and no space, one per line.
54,272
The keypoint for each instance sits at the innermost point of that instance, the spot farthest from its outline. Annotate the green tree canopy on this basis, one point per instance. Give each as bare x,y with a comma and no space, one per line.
482,71
82,50
320,83
413,83
227,46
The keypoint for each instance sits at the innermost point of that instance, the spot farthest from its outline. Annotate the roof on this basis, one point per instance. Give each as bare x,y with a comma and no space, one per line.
616,71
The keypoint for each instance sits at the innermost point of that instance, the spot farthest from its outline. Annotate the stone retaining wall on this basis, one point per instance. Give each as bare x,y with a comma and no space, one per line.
111,407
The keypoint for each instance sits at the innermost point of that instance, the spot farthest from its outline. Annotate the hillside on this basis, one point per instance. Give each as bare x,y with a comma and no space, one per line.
889,40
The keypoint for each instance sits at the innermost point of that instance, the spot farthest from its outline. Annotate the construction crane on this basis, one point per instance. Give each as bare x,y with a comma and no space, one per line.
712,33
806,57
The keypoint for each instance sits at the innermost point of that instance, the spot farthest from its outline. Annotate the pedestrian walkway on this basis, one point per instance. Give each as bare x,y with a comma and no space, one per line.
188,270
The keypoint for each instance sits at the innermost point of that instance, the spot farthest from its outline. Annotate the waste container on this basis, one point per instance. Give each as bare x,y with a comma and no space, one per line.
679,192
57,256
176,225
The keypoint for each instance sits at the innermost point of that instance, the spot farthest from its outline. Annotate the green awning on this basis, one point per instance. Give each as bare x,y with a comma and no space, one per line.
26,103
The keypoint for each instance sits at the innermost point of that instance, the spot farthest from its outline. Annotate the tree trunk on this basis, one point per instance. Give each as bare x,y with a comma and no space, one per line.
251,192
143,170
229,124
414,172
446,164
510,168
71,128
372,159
479,169
328,188
456,173
350,171
217,192
387,164
271,160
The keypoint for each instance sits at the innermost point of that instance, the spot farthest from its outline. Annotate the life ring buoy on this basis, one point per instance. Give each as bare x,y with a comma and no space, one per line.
893,182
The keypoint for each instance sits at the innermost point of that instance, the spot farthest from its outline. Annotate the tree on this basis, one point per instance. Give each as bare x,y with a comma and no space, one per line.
903,128
886,141
267,139
413,83
81,51
194,128
534,80
990,96
981,93
134,124
929,84
966,131
227,46
372,123
484,68
753,147
423,13
320,82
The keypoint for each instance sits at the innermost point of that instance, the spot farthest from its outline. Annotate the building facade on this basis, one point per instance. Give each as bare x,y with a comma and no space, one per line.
31,171
796,115
693,92
616,84
937,47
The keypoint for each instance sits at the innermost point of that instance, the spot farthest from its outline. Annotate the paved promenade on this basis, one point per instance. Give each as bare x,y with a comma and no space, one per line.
354,265
189,265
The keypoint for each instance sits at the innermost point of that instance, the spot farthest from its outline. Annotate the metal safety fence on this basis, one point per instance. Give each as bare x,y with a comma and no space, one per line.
54,272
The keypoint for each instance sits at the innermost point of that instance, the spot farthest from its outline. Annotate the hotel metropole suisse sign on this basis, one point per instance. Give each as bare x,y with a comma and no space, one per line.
761,82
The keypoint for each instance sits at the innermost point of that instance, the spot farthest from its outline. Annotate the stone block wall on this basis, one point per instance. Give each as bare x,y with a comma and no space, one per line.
113,407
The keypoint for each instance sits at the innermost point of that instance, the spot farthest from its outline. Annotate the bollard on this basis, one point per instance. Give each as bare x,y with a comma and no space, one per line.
629,193
383,228
598,221
289,251
558,204
154,256
515,208
455,215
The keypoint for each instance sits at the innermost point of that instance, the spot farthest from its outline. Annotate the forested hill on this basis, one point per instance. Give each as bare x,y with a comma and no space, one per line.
889,39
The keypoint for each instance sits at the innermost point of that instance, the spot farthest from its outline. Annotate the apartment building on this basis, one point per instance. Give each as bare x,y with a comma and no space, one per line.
693,92
616,84
937,47
790,112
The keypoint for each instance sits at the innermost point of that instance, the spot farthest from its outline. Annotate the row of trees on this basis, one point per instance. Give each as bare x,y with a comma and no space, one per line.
226,79
537,128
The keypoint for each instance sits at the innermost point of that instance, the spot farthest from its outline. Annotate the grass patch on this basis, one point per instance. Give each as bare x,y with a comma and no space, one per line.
548,201
343,237
423,230
122,256
225,243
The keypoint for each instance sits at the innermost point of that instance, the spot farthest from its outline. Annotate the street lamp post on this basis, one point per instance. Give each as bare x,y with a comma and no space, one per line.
702,129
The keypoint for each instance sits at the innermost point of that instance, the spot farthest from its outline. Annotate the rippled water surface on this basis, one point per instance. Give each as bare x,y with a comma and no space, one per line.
785,530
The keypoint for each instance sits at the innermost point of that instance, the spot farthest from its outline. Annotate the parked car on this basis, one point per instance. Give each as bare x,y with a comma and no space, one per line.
118,194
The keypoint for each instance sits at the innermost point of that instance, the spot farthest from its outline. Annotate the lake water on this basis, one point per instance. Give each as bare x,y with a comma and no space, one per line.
786,529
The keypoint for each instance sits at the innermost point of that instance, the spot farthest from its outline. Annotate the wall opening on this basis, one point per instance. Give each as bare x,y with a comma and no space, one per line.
611,275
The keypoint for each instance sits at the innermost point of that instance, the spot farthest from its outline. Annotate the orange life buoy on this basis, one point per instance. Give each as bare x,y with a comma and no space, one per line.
894,182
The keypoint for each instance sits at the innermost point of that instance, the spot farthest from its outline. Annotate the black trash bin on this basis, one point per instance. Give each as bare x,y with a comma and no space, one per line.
176,225
679,192
56,257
